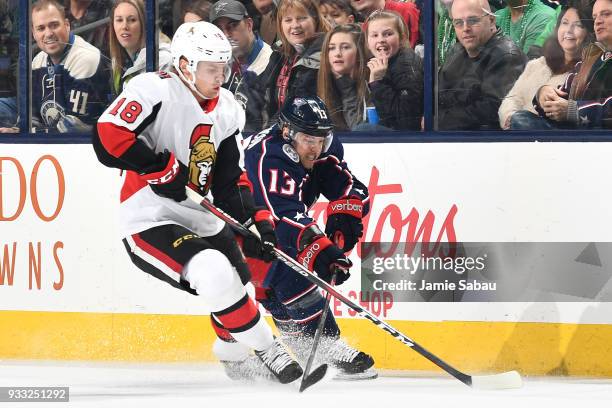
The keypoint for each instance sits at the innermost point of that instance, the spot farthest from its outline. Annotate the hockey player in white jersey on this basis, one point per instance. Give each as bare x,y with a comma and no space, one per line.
169,130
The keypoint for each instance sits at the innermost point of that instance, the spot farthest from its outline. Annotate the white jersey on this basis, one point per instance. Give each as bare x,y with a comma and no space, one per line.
160,110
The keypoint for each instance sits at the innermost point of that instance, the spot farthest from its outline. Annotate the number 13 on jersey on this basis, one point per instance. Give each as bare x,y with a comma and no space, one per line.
288,183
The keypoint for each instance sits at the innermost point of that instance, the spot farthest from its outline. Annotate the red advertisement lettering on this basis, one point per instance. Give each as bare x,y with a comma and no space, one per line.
405,229
8,265
22,189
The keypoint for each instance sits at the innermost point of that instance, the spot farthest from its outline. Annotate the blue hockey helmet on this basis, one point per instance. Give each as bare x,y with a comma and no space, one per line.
307,115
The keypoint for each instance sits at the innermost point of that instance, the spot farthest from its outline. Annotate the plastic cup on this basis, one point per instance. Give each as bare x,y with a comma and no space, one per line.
372,115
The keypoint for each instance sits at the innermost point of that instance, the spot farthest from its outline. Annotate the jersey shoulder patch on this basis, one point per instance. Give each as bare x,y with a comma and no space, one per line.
291,153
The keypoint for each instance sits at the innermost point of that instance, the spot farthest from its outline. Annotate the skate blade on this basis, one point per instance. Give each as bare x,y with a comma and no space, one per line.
314,377
369,374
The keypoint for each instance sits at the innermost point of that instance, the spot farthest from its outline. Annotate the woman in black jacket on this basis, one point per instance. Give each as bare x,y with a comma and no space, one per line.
294,68
396,72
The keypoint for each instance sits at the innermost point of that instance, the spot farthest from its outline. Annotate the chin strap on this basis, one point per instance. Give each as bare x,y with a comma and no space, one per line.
191,84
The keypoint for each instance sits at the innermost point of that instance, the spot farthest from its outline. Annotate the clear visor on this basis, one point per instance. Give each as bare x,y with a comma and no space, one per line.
308,140
212,72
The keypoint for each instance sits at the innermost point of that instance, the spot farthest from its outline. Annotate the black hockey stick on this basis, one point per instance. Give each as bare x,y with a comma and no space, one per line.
319,372
509,379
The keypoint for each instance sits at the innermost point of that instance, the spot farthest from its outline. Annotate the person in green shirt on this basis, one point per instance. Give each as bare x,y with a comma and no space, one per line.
524,21
446,33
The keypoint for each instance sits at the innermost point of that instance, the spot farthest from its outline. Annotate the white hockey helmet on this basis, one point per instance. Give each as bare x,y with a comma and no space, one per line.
200,41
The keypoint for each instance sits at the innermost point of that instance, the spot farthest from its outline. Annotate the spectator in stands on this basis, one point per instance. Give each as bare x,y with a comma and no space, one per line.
337,12
198,10
523,21
169,13
561,53
585,99
294,68
396,72
479,71
343,76
267,25
408,11
251,56
9,54
446,33
127,43
536,48
69,79
81,13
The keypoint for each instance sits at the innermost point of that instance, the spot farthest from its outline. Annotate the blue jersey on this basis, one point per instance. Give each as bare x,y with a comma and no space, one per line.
70,95
287,189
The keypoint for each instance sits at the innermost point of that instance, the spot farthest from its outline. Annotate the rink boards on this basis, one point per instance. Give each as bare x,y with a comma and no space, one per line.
68,290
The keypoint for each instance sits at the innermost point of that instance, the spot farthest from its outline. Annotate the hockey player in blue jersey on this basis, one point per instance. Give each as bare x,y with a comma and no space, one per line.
290,165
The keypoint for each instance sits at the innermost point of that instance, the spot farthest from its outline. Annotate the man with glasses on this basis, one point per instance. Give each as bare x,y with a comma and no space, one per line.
251,56
479,70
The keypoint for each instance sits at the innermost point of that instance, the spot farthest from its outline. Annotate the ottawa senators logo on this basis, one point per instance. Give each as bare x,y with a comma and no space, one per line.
202,158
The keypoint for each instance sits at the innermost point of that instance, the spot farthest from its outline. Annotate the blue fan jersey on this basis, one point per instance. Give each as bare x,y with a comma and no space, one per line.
70,95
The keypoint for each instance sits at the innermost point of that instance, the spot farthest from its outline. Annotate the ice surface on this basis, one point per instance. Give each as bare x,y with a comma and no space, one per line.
205,385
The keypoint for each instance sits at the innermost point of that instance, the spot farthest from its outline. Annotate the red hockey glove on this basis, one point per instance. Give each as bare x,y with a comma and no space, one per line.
344,226
317,253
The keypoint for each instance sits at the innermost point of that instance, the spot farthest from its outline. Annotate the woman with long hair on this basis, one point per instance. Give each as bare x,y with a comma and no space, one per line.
343,75
294,67
561,52
127,43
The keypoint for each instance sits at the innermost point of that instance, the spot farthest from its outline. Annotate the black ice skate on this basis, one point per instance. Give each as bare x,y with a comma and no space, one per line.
351,363
280,363
251,369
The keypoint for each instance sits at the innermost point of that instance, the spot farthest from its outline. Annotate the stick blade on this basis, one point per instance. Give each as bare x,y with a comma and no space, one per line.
507,380
314,377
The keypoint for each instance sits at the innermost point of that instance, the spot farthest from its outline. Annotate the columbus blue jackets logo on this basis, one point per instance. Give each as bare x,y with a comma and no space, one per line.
202,158
290,151
51,113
